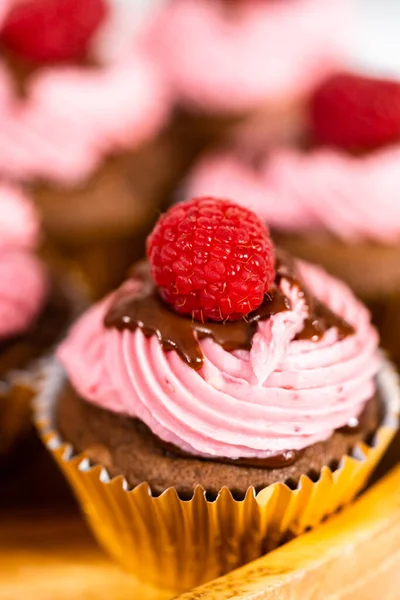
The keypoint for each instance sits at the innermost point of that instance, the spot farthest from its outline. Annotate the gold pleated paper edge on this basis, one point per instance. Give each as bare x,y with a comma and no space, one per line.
180,544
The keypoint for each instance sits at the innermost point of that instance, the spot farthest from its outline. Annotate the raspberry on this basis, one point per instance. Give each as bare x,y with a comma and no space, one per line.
356,113
211,259
52,30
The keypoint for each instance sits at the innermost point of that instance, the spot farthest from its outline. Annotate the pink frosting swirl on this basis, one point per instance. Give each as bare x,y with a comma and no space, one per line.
23,290
19,223
74,117
352,197
233,56
23,278
284,394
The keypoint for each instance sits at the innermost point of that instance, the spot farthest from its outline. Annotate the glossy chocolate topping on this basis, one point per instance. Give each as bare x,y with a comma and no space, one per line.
353,426
321,317
146,309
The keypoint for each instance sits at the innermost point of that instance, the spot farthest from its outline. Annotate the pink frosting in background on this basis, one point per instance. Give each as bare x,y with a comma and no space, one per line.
23,290
284,394
353,198
19,222
75,116
268,51
23,277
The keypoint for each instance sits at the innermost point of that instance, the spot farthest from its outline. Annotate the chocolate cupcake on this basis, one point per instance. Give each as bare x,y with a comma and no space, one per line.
334,201
35,309
88,135
225,398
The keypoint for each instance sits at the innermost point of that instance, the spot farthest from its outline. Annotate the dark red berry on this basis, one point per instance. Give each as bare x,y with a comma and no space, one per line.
52,30
211,259
356,113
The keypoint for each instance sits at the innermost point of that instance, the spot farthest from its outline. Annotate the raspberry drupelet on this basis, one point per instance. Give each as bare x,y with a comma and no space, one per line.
211,259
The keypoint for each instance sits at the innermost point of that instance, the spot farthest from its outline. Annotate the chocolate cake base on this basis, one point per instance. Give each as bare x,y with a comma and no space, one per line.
385,312
263,127
126,446
370,268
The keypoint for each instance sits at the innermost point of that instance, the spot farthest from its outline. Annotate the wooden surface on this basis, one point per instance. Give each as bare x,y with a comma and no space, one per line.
47,553
56,558
354,556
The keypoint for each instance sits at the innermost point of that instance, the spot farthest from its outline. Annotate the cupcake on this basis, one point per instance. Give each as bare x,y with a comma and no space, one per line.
89,137
230,61
224,399
334,200
35,309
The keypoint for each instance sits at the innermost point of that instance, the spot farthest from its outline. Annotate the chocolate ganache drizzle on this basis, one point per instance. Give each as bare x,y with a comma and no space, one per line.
145,309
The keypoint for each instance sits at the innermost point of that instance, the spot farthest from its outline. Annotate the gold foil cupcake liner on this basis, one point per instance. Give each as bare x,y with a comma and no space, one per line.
178,544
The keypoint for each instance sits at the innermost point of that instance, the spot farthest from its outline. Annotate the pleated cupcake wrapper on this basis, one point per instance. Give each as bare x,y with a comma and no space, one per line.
178,544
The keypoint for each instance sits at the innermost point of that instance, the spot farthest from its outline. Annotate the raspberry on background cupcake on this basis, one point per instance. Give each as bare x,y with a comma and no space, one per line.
36,306
225,397
46,31
334,201
235,60
89,137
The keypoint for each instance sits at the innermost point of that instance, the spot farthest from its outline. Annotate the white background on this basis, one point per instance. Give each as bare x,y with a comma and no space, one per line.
376,42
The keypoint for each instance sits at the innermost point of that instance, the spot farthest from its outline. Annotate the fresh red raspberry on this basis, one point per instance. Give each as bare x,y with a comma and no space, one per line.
211,259
356,113
52,30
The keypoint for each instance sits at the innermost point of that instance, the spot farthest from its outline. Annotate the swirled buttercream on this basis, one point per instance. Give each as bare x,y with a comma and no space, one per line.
23,291
19,223
23,278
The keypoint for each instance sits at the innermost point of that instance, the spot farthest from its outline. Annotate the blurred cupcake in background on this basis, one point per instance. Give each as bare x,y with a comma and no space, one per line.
256,60
335,200
36,305
225,398
87,136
